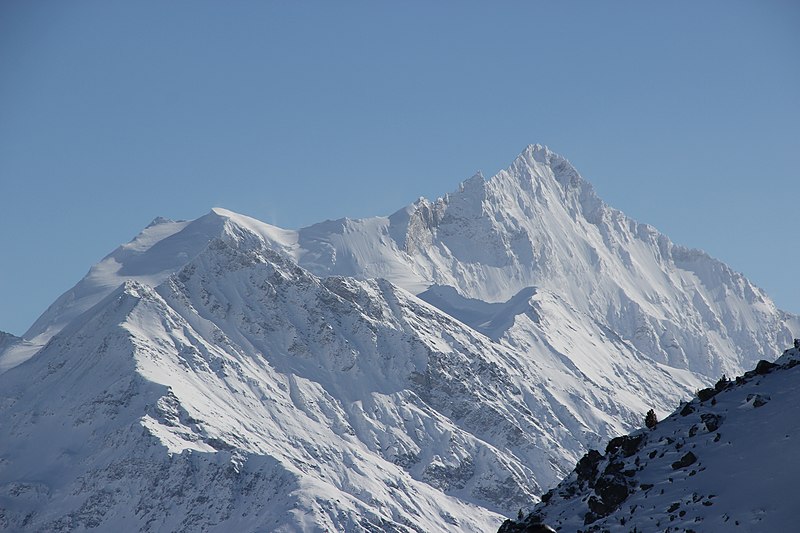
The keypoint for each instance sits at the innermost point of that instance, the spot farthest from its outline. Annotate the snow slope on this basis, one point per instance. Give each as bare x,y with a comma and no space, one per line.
726,461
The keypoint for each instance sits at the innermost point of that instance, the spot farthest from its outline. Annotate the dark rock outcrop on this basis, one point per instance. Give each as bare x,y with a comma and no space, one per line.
764,367
688,459
711,421
706,394
509,526
629,444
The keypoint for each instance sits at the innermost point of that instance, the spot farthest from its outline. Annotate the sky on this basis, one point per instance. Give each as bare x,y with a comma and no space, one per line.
684,115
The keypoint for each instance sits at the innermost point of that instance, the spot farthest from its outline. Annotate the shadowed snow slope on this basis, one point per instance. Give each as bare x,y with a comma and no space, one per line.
726,461
225,374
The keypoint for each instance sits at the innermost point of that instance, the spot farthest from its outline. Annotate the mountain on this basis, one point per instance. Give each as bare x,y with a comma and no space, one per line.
431,370
252,376
540,224
726,461
535,225
244,393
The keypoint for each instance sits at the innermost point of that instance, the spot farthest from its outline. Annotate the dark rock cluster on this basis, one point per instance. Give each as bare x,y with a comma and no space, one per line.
525,526
609,479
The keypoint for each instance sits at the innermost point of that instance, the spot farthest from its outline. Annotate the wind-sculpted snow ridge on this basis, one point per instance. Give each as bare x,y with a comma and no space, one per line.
244,393
726,461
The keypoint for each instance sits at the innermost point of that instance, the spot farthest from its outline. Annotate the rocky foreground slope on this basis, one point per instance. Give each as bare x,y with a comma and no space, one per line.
726,461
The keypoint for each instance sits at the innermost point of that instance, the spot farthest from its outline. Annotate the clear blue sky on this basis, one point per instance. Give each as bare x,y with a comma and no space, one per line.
685,115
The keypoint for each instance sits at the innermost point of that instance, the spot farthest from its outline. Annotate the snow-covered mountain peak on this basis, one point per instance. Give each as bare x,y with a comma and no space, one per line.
158,221
538,153
539,156
537,149
422,371
544,168
537,182
475,183
161,249
539,223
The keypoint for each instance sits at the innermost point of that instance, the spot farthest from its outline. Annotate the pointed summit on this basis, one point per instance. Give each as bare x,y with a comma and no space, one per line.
538,164
539,152
536,154
158,221
475,183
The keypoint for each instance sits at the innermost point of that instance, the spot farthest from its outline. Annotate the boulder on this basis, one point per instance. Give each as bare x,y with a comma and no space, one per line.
688,459
711,421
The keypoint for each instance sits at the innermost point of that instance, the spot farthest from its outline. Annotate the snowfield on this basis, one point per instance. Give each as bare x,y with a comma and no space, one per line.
435,370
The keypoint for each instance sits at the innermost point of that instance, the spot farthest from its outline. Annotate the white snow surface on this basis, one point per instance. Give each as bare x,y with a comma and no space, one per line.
225,374
743,476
